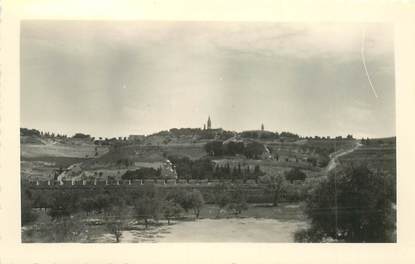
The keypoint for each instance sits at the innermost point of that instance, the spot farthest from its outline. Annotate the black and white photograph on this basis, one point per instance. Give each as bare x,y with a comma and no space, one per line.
148,131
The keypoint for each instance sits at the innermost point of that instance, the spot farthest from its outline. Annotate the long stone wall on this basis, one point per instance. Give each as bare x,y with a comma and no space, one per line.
255,191
159,182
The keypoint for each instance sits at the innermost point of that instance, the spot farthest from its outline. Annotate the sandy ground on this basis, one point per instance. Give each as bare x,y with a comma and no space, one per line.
219,230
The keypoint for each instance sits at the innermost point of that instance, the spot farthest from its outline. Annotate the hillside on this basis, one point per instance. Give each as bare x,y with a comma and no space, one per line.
51,157
379,154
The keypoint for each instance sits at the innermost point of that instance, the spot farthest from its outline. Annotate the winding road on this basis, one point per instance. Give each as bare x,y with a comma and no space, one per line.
336,155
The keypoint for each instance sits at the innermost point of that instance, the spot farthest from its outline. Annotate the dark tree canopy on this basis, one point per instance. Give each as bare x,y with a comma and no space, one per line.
141,173
81,136
214,148
352,205
29,132
192,169
295,174
148,204
233,148
27,215
63,204
254,149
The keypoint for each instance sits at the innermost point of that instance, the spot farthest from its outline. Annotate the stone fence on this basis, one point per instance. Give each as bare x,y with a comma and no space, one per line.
132,183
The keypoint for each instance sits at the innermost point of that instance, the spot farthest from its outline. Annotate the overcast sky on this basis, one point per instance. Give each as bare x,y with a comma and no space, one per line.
121,78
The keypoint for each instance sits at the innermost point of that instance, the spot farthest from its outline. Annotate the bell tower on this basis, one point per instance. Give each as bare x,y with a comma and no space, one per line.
209,123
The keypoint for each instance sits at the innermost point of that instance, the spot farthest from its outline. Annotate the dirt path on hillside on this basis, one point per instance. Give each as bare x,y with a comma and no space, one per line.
336,155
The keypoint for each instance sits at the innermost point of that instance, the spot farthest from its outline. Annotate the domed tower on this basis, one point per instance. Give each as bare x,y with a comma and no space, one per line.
209,123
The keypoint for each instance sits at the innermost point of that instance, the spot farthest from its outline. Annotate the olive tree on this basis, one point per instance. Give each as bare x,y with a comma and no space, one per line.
171,210
196,201
351,205
222,197
146,208
275,184
238,201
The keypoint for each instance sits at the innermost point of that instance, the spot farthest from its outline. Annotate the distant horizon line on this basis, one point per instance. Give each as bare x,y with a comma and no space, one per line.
236,131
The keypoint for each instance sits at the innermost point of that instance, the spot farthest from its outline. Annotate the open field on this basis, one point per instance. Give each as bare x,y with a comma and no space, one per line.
143,153
212,230
260,223
60,150
233,230
39,160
